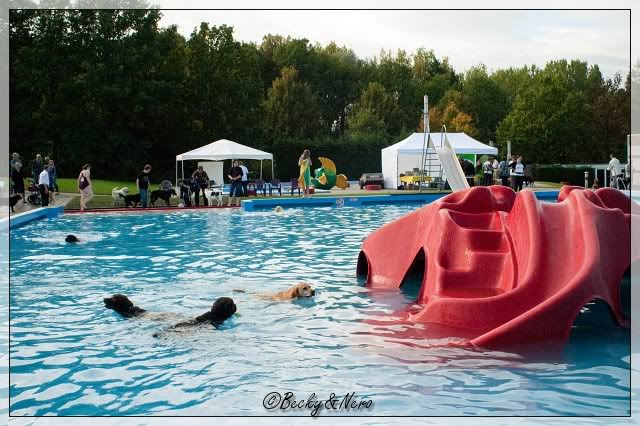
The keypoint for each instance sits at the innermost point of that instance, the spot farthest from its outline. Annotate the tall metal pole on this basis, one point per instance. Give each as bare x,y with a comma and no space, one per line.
425,118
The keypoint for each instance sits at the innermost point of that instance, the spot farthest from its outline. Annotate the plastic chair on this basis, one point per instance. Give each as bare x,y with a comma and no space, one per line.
165,185
294,186
260,186
275,184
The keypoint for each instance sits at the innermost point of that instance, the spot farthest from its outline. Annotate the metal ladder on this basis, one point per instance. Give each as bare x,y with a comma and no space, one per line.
431,163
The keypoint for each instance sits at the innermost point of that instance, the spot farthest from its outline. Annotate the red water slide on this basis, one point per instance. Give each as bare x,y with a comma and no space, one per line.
505,267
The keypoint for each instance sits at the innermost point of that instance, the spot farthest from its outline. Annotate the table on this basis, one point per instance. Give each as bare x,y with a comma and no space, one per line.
412,180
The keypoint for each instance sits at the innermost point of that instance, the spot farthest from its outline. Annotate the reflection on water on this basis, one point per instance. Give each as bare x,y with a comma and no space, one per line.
70,356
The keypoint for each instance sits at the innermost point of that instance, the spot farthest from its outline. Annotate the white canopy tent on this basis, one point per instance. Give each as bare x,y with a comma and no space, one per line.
224,150
407,154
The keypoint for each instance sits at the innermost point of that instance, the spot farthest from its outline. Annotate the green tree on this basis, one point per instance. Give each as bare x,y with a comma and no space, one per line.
485,101
375,111
291,108
549,122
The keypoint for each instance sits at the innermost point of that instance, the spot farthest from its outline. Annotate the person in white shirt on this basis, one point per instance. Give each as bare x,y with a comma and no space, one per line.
245,177
43,185
616,170
518,174
487,170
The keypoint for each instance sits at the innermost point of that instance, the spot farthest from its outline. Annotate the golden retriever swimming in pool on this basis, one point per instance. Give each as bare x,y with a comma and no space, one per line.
298,290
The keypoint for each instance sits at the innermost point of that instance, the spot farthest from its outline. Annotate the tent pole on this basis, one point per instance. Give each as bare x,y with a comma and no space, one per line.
272,176
182,164
260,169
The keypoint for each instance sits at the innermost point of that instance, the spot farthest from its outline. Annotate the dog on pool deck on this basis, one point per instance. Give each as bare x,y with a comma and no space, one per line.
13,200
119,195
162,194
222,309
216,194
297,291
134,199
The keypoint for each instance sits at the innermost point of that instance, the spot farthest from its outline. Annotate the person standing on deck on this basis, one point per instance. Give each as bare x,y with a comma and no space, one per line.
245,178
142,182
616,171
304,180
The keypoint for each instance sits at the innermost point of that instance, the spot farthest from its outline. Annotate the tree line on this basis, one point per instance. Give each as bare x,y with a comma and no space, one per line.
115,89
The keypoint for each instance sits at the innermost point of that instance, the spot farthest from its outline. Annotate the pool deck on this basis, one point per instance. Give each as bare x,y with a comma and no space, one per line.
254,204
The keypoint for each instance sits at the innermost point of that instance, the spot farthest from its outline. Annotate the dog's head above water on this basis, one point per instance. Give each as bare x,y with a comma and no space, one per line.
222,309
303,290
122,305
71,239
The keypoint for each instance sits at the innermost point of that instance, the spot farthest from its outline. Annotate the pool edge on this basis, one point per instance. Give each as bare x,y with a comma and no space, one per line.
21,219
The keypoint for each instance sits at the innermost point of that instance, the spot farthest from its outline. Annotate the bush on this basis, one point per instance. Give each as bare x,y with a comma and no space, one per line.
558,173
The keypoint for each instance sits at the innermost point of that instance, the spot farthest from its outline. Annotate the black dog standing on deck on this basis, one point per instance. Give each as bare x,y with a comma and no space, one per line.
162,195
13,200
134,199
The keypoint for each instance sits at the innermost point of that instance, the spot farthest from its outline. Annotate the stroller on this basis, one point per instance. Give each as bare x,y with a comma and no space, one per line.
34,193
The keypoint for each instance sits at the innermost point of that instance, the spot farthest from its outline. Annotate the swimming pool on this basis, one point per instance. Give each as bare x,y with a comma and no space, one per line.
71,356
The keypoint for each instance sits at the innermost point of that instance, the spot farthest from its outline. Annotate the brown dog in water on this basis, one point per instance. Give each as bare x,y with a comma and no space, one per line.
298,290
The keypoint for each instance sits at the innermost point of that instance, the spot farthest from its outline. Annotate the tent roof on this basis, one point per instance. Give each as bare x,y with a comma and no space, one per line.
460,142
224,150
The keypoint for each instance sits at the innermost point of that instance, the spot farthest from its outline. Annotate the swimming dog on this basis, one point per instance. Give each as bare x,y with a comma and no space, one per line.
299,290
122,305
119,194
13,200
71,239
278,209
162,194
222,309
125,307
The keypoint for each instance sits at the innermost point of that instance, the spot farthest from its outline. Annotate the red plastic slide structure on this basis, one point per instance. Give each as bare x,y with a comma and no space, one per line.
508,269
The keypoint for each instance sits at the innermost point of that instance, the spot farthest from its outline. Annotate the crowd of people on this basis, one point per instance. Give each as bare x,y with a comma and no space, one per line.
511,173
43,175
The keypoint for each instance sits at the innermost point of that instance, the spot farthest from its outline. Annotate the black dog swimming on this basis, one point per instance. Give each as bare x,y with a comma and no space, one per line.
122,305
222,309
71,239
162,194
134,199
13,200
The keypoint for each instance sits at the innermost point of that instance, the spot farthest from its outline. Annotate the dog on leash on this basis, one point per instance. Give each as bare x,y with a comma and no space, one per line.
162,194
119,195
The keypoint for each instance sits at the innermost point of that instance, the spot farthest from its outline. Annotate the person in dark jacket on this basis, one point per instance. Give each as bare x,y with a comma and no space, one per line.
17,177
468,169
200,181
36,169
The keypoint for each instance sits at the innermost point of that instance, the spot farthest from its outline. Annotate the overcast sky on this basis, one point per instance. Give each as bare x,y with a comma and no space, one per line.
498,39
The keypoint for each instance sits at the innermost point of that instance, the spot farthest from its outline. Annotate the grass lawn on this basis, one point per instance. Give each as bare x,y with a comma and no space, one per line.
106,201
100,187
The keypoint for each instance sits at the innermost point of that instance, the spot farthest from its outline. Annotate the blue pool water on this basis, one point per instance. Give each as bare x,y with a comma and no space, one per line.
70,355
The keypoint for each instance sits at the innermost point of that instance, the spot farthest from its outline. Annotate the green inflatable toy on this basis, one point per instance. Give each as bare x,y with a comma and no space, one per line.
326,177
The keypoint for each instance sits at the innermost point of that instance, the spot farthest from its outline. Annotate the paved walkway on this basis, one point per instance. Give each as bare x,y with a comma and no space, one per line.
60,199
